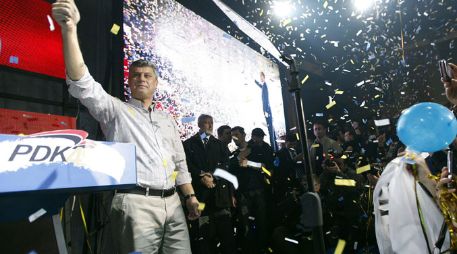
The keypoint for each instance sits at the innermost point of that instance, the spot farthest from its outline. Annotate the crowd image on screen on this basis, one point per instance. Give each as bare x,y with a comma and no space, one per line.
185,96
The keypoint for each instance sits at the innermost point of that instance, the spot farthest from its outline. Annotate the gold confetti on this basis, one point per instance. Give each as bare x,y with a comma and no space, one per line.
314,145
77,156
345,182
344,157
340,246
285,22
174,175
352,62
305,79
266,171
298,136
331,104
363,169
165,163
201,206
339,92
131,111
115,29
261,12
377,96
325,4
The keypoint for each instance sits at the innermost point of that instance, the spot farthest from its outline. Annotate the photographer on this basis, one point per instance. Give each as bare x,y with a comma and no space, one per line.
252,193
335,168
321,145
341,203
290,173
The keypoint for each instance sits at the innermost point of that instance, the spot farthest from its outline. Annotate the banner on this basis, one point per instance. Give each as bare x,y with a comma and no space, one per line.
64,159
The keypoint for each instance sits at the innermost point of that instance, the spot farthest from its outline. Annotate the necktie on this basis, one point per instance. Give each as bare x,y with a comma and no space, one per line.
205,141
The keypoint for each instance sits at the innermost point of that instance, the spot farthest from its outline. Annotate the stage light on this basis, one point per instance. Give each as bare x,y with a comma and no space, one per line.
282,8
363,5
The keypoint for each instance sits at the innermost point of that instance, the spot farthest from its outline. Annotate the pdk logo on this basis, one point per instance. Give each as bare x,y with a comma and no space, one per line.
59,150
47,146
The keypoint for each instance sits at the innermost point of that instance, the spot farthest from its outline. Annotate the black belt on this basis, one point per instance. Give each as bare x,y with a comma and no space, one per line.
149,192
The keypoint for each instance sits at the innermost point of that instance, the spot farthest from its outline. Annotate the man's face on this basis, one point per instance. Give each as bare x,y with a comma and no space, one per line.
319,131
142,82
262,77
257,140
348,136
317,186
238,137
355,125
226,136
206,125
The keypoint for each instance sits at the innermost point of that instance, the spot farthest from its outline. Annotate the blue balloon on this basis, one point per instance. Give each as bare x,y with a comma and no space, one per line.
427,127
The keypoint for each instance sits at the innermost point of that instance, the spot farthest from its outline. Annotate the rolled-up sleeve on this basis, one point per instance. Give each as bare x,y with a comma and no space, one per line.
179,158
90,93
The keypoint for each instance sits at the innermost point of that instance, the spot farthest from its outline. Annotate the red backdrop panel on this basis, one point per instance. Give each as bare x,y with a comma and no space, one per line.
26,39
23,122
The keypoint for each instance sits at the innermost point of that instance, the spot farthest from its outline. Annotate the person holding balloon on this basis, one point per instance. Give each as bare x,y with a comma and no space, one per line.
450,89
407,217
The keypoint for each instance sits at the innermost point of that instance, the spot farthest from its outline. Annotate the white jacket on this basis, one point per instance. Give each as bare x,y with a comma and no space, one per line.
399,229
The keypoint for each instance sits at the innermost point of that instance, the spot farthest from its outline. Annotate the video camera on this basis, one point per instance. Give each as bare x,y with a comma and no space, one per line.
329,158
445,70
376,168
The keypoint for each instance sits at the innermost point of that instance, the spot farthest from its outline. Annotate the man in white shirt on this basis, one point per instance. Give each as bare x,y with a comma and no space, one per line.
148,218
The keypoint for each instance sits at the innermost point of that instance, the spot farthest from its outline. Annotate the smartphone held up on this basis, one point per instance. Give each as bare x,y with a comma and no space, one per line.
445,70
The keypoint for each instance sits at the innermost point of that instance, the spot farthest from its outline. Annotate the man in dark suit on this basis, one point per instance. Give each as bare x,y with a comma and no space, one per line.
224,134
267,110
205,153
247,163
290,173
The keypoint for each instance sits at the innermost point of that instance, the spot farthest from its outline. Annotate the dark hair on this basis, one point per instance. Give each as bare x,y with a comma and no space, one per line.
291,137
203,117
143,63
221,129
258,132
239,128
351,131
321,122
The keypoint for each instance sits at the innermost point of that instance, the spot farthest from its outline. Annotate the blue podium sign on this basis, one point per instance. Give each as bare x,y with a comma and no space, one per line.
64,160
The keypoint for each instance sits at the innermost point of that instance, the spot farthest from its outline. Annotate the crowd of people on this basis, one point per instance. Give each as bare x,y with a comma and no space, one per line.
263,214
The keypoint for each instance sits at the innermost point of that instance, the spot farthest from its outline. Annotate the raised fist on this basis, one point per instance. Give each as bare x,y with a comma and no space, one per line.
66,14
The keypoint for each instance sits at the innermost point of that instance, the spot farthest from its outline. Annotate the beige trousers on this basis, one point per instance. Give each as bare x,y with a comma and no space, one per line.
149,224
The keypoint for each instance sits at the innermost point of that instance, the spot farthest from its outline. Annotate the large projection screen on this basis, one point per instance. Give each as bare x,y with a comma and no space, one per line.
202,69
